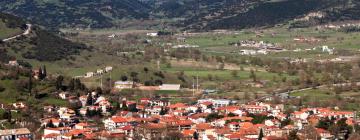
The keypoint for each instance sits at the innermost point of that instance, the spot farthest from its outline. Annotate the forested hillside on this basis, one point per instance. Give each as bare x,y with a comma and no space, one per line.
75,13
188,14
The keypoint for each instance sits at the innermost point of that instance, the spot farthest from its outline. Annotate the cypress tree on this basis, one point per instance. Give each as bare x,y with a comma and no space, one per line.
50,124
59,82
40,74
44,72
71,86
30,82
261,134
89,100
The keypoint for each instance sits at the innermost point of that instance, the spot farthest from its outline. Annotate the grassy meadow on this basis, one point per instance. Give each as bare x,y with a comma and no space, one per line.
7,32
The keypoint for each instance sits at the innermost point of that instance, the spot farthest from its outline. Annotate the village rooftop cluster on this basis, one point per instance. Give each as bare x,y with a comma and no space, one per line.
150,118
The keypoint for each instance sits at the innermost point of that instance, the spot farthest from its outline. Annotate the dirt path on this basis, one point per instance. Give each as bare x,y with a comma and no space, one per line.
26,32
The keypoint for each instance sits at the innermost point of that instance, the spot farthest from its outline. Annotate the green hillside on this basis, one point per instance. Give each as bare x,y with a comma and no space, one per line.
76,13
6,32
10,25
39,44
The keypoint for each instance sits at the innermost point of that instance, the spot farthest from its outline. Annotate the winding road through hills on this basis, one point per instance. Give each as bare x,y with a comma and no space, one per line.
26,32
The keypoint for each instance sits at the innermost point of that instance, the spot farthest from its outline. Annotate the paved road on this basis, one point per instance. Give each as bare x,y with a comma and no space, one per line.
26,32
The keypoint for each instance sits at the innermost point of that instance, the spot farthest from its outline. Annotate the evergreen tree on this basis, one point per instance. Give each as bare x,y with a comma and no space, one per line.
40,73
44,72
261,134
50,124
124,78
71,86
30,82
99,91
196,136
61,124
89,100
124,106
115,108
59,82
88,112
77,84
234,73
146,70
2,88
293,135
253,75
162,111
7,115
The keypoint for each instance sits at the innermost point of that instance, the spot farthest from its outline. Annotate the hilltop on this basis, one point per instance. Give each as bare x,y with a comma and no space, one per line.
38,44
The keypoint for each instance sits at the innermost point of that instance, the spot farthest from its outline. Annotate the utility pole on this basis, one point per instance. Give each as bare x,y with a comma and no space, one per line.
355,119
101,82
193,86
110,81
158,64
197,82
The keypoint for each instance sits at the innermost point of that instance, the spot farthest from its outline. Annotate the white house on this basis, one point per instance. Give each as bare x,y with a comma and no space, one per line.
89,74
216,102
115,122
123,84
247,52
58,130
66,113
185,46
10,134
154,110
112,36
19,105
64,95
99,71
13,63
108,68
152,34
300,115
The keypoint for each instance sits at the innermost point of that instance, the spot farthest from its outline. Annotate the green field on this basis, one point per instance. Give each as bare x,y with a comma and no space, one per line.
223,74
326,96
55,101
10,94
314,94
282,36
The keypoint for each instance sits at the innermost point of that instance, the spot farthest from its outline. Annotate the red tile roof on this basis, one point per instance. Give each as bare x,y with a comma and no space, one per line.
188,132
51,135
118,119
184,122
203,126
177,105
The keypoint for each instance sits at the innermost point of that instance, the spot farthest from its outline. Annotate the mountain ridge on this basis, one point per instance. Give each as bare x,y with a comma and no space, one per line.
189,14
